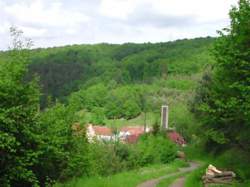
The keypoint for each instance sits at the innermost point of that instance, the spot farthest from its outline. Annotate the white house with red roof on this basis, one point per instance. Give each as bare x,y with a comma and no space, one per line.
128,134
131,134
100,133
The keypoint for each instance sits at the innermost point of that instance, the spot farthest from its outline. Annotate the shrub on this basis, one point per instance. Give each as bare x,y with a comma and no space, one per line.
64,154
156,149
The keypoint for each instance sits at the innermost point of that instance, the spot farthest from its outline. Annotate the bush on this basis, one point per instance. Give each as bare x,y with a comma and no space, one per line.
64,153
156,149
104,159
112,157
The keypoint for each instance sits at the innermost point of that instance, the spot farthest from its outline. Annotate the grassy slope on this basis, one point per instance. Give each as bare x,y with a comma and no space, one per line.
127,179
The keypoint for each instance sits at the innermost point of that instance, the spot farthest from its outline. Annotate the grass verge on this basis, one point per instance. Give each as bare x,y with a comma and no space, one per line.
126,179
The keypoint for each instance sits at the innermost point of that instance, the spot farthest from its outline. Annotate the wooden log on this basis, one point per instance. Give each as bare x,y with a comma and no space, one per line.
218,181
225,173
224,180
224,177
219,175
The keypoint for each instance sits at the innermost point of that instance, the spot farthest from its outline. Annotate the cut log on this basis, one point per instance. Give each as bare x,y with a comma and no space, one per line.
225,173
219,182
221,178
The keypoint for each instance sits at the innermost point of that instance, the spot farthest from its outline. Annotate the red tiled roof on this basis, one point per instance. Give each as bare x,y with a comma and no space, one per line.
137,130
176,137
100,130
132,138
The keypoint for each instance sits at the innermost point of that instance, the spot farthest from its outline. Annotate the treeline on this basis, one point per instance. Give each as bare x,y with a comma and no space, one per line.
63,70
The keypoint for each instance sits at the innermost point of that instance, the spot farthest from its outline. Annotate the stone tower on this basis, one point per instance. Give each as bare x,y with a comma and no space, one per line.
164,117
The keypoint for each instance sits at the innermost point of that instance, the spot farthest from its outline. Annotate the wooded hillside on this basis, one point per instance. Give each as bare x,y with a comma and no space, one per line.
63,70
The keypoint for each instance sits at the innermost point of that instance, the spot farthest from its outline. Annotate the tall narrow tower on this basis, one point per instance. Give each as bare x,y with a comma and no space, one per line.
164,117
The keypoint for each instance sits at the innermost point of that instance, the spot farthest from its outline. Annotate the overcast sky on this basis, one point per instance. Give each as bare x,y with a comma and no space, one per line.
60,22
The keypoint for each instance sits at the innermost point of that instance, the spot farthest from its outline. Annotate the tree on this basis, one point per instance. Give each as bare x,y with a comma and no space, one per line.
35,148
19,130
225,105
130,109
64,151
98,116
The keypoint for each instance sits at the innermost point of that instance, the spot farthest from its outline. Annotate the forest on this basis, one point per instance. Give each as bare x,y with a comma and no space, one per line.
44,91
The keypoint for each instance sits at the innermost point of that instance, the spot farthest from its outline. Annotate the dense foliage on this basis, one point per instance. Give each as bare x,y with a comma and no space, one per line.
115,157
35,148
223,102
63,70
19,130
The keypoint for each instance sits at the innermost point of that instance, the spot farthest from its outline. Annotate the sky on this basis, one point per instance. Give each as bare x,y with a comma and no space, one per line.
62,22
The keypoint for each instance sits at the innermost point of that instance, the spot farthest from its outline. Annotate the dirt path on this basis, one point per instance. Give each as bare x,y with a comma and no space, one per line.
154,182
178,182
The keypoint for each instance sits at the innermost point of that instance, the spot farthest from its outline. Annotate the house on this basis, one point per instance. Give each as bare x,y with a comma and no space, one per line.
131,134
100,133
125,134
128,134
131,139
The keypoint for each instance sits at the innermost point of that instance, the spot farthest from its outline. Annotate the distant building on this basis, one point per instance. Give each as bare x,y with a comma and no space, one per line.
100,133
125,134
131,134
164,116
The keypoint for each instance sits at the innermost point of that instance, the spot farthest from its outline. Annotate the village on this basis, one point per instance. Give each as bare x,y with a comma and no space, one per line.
128,134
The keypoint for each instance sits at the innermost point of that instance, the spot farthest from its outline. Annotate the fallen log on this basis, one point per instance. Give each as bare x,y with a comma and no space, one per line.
225,174
220,175
218,182
221,178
